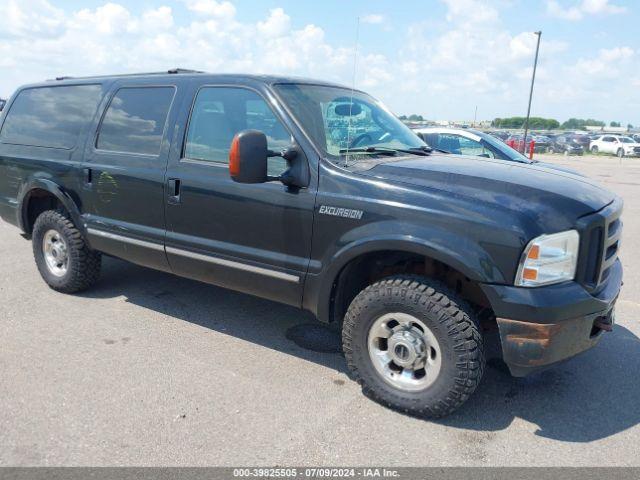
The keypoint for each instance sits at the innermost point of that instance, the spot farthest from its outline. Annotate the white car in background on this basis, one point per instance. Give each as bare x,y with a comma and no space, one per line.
619,145
467,141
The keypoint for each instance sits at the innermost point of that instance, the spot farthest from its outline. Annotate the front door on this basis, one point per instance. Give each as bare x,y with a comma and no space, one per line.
254,238
123,194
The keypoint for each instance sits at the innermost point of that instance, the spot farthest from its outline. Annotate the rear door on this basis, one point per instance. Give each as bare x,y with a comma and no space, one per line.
608,144
254,238
124,173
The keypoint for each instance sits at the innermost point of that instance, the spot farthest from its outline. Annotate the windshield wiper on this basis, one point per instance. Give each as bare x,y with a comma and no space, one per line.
387,150
384,151
430,149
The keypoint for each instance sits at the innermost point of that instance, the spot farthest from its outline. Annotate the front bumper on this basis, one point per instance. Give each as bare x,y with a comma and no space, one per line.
542,326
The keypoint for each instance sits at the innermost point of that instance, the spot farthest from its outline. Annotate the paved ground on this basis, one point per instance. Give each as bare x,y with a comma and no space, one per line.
150,369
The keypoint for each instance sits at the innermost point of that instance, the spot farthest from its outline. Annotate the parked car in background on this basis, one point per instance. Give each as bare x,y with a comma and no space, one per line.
3,102
466,141
567,145
636,137
581,139
502,136
542,143
619,145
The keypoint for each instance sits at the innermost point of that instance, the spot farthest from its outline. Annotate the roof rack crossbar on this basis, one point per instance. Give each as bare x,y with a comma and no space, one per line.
172,71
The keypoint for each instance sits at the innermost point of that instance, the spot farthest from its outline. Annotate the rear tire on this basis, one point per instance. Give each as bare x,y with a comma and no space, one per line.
63,258
443,342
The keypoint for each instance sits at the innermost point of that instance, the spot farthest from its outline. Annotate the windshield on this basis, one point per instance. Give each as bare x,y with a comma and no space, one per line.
337,119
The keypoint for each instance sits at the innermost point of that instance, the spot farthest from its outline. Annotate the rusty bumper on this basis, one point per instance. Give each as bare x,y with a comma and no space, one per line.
529,347
542,326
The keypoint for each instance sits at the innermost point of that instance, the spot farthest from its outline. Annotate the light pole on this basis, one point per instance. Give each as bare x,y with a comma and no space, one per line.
533,79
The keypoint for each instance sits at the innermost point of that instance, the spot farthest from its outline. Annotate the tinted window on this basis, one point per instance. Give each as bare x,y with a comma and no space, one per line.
135,120
220,112
50,116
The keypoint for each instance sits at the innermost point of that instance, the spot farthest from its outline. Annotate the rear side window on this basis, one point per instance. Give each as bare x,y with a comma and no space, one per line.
135,120
50,116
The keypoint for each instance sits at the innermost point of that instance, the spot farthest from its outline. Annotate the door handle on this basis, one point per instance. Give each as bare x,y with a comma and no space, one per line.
88,176
174,191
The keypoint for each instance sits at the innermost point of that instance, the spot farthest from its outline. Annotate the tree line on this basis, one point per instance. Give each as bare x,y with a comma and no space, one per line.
551,123
536,123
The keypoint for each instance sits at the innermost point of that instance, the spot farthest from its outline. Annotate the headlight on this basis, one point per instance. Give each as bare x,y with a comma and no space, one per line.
549,259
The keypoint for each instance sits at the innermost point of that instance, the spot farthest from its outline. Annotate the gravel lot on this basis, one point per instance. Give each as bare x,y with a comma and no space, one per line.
151,369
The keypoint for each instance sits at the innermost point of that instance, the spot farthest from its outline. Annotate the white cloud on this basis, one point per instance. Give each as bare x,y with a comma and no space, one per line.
277,24
159,19
577,11
440,68
112,39
471,11
109,19
35,18
608,62
372,18
212,8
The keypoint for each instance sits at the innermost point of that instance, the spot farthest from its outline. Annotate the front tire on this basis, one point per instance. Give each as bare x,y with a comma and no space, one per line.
594,149
620,153
63,258
413,345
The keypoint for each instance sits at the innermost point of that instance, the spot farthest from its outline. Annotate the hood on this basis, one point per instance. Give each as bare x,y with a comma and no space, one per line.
552,197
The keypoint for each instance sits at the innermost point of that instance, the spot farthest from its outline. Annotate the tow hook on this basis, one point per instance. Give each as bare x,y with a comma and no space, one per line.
607,327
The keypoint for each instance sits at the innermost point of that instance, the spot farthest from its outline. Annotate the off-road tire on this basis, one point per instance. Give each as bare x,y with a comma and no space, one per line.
84,264
452,322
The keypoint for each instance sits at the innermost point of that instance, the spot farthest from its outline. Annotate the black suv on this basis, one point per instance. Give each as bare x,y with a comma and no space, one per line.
314,195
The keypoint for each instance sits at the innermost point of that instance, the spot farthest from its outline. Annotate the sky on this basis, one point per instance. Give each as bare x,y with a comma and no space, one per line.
437,58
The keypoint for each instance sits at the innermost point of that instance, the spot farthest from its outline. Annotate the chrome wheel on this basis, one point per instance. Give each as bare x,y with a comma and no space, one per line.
404,351
56,254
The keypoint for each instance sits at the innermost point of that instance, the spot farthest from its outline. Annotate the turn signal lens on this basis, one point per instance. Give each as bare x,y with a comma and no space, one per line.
549,259
530,274
534,252
234,157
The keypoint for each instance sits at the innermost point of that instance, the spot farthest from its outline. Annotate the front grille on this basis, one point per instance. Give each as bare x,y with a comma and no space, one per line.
611,247
600,241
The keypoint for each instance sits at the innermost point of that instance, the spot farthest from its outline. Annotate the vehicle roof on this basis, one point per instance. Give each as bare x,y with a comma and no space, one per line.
171,75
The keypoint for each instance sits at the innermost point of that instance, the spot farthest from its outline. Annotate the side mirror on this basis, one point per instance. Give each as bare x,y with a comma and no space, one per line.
248,157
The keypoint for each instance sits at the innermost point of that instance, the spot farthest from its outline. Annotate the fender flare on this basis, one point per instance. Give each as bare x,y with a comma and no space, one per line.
54,189
318,288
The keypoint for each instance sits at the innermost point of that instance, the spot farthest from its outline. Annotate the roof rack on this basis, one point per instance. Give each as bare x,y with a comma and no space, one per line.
173,71
183,70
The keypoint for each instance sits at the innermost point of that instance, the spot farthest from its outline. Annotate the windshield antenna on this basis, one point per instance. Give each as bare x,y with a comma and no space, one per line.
353,87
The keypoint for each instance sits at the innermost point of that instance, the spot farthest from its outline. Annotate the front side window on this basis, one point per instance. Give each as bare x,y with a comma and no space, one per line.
337,119
472,147
50,117
221,112
135,120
